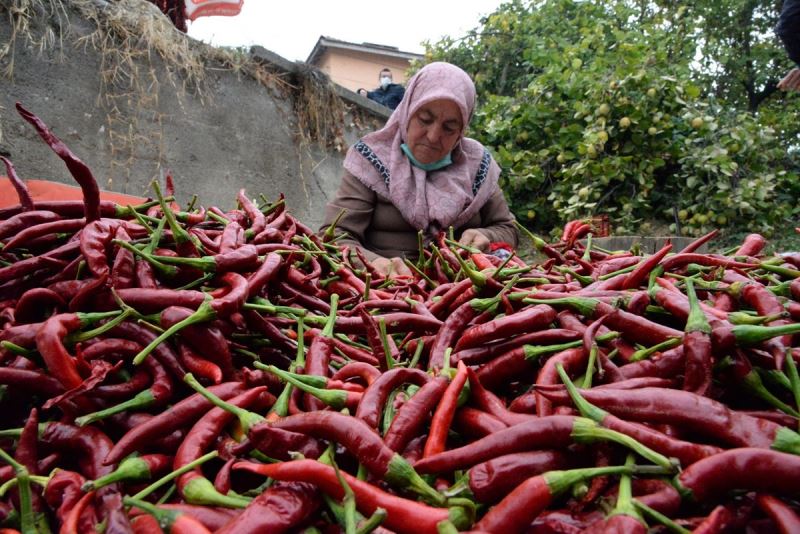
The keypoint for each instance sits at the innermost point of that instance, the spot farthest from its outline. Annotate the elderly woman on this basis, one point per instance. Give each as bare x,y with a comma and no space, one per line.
419,172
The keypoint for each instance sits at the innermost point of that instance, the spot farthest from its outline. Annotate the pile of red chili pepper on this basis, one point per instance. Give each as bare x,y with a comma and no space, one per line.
169,369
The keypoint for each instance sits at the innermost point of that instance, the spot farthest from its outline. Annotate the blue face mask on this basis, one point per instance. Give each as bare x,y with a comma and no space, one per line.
435,166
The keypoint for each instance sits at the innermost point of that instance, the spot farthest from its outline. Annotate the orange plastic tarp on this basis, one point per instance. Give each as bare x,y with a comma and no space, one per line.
46,190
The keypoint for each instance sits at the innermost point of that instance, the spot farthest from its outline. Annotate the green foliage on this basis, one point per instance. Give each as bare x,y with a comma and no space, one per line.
602,107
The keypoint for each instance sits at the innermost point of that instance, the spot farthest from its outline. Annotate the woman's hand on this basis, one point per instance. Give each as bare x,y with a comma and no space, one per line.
475,239
790,82
391,267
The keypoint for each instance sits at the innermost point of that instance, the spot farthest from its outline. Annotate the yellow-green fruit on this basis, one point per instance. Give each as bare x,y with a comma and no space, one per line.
561,158
591,151
683,214
583,192
702,218
652,130
602,135
721,219
531,214
624,122
697,123
651,92
603,109
576,63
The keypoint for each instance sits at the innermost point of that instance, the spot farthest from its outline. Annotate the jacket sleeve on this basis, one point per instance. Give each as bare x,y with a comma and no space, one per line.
788,29
358,201
498,221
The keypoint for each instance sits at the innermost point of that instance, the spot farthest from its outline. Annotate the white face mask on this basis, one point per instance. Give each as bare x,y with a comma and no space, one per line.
385,81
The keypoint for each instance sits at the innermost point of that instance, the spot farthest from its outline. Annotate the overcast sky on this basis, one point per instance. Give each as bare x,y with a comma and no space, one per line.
291,28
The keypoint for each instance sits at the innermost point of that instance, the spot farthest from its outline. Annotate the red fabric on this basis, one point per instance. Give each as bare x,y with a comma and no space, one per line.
46,190
212,8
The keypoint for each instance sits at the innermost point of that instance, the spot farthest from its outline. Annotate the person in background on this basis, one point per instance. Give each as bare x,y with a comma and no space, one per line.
388,94
788,29
419,172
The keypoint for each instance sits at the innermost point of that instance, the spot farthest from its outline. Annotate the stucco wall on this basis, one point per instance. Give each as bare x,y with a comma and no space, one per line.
232,132
353,69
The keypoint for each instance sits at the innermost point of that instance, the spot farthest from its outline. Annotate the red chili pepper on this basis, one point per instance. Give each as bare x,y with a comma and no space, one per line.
26,219
490,403
37,304
474,423
705,416
265,272
505,367
176,521
520,507
206,339
524,321
197,365
193,486
92,445
636,277
33,382
30,233
180,414
123,268
280,508
374,398
412,415
552,432
403,515
78,169
50,345
212,517
784,516
697,348
485,353
443,415
741,469
493,479
364,443
71,523
752,245
25,199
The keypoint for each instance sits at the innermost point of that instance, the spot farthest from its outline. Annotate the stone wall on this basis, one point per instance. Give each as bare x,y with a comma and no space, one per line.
133,110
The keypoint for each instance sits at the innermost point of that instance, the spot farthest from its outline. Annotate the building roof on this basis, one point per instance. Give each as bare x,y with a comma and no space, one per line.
324,43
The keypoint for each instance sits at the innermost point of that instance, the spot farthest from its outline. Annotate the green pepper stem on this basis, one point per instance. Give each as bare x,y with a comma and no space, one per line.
535,351
748,335
327,331
643,354
372,522
624,504
142,399
661,518
335,398
697,321
387,353
204,313
168,271
246,418
583,305
132,468
79,337
794,378
585,408
589,433
753,383
169,477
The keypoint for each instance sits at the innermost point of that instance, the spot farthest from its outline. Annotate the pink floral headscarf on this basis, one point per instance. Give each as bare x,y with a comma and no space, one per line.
430,201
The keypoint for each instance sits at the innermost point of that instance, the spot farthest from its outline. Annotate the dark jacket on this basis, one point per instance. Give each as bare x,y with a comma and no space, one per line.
389,97
788,28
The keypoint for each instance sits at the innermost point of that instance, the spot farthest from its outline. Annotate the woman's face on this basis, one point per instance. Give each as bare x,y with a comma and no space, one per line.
434,130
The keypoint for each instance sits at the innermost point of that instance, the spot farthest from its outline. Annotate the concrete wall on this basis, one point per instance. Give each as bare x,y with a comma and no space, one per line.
235,132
